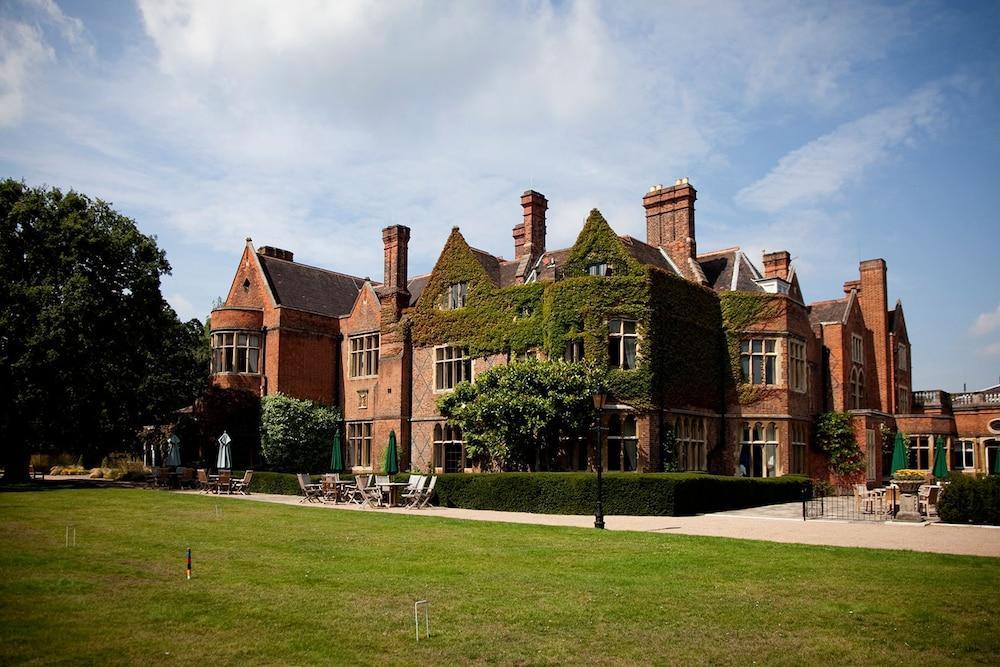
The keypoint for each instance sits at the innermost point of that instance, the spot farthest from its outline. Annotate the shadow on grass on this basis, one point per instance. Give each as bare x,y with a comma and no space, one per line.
61,484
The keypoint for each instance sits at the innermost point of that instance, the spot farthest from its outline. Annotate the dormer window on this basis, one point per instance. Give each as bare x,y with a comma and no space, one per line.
598,269
455,296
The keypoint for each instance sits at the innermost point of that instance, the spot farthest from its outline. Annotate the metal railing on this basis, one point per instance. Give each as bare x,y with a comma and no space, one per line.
845,505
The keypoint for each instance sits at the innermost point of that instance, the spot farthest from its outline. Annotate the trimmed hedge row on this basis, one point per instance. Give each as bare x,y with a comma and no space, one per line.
655,494
971,500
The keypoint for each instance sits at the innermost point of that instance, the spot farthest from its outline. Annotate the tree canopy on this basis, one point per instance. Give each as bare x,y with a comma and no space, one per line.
514,414
89,349
296,435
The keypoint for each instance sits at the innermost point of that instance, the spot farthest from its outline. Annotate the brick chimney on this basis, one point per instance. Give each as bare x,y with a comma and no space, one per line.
874,302
670,220
777,264
529,236
277,253
396,239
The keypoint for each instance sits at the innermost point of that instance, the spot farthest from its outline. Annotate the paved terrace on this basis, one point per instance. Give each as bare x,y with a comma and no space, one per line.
774,523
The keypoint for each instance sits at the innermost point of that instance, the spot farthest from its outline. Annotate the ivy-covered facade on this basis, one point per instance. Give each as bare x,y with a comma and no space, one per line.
713,364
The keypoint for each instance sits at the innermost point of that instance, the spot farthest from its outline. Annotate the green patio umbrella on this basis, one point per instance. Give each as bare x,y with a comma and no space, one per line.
390,466
898,453
940,461
336,458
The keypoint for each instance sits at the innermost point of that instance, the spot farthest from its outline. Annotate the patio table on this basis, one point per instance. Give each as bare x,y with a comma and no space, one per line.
392,490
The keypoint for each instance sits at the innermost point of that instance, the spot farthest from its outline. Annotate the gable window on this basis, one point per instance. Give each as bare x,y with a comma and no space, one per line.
598,269
797,367
364,355
235,352
759,360
758,450
623,343
689,433
857,349
451,366
901,361
797,458
455,296
963,455
574,351
623,444
359,444
857,388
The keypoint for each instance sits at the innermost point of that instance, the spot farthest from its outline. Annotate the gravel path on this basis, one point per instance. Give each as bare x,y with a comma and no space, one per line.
775,523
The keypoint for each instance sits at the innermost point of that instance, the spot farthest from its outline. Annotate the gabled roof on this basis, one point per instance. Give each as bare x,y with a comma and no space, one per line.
490,264
647,254
416,286
310,288
729,270
828,311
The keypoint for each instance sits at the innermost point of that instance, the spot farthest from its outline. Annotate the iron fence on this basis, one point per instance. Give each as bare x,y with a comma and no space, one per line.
849,504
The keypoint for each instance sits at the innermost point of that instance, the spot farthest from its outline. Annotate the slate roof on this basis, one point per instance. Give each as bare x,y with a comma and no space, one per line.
309,288
647,254
827,311
719,266
416,287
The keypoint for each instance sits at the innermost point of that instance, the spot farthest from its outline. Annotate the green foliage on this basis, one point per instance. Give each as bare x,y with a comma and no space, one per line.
968,499
296,435
597,243
835,438
741,311
514,414
90,347
659,494
281,483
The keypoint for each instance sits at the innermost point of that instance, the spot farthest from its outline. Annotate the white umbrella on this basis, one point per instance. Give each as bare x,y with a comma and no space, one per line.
224,462
174,455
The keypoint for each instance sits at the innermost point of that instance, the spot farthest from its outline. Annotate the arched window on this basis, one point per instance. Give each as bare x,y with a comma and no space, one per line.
857,388
759,450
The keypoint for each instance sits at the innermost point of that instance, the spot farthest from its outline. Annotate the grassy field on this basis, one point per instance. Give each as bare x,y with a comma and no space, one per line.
292,585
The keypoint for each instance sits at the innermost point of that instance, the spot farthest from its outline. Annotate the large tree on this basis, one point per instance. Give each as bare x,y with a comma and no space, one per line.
89,349
513,416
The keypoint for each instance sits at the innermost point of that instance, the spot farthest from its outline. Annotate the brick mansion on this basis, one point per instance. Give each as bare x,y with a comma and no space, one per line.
716,364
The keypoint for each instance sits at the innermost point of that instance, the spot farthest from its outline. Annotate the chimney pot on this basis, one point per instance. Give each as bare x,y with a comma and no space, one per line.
529,235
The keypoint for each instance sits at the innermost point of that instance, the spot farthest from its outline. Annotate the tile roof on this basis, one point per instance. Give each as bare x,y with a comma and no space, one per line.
719,267
310,288
647,254
416,286
827,311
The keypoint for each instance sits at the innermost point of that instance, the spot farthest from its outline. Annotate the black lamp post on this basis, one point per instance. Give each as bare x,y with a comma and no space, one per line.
599,398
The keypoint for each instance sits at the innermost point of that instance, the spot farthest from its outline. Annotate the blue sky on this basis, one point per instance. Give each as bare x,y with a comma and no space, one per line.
839,132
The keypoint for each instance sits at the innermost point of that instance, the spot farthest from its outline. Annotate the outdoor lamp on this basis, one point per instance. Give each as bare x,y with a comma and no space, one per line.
600,396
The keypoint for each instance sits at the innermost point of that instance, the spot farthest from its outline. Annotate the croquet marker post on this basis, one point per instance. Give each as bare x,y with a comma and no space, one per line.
189,564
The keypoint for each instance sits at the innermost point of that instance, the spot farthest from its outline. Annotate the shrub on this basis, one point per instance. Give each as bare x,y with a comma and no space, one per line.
835,438
666,494
296,435
971,500
274,482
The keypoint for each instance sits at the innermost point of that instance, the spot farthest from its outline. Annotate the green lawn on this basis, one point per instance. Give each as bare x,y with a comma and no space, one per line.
292,585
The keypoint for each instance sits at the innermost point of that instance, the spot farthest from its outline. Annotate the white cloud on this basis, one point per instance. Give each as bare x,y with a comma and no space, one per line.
986,322
22,47
183,307
70,28
826,165
991,350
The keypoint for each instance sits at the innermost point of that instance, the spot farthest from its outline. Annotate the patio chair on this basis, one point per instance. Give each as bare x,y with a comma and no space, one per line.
185,478
367,494
313,492
890,499
225,482
242,486
927,496
427,494
411,496
329,485
205,484
864,500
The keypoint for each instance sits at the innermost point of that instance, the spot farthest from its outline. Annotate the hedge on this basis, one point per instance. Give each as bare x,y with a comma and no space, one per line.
656,494
970,500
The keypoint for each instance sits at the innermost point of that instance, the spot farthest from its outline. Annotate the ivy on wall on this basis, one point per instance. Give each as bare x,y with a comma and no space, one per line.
741,311
681,343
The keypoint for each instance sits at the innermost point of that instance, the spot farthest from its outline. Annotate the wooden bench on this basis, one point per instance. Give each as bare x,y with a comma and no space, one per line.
35,474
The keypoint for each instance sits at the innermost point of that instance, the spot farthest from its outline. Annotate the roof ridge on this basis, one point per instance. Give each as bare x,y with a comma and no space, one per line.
320,268
825,301
723,251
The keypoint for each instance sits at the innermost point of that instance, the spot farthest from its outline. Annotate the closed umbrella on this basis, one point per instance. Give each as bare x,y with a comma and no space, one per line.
337,457
224,461
390,465
899,460
940,462
174,454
